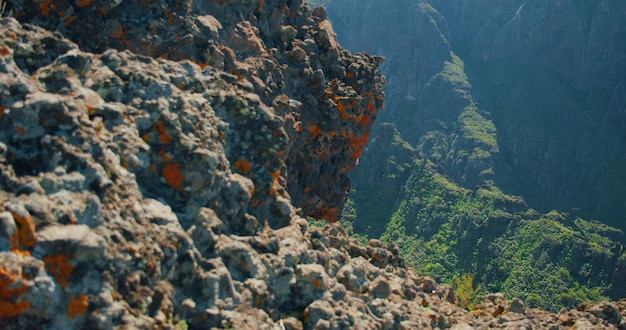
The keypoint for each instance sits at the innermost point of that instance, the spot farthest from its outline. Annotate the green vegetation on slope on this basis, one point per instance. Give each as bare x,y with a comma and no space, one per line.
558,148
550,260
449,214
449,217
546,269
457,134
374,197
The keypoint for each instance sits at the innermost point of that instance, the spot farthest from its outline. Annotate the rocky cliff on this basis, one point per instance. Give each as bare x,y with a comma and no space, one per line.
157,160
324,96
139,132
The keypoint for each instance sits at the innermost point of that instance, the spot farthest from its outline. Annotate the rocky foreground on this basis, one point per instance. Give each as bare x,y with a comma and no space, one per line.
157,163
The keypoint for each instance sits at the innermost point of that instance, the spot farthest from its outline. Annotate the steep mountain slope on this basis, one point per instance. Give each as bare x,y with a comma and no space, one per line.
492,104
553,76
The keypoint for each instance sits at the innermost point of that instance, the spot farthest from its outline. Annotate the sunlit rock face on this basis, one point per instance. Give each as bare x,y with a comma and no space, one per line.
141,141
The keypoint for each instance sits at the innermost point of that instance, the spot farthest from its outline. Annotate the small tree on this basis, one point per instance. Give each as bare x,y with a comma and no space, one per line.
466,292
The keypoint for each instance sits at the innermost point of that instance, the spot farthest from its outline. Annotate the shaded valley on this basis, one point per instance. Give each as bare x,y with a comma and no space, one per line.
501,149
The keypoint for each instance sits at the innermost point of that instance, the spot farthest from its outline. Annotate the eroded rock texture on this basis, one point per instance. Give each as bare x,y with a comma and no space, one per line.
139,134
324,99
153,157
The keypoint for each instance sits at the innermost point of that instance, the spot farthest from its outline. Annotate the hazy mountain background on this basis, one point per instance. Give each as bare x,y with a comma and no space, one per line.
501,151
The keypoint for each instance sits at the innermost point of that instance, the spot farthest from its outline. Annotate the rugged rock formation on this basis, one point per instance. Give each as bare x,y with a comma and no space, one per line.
143,192
326,98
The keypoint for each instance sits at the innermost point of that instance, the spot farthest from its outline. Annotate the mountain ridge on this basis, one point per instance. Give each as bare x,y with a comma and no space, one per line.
591,119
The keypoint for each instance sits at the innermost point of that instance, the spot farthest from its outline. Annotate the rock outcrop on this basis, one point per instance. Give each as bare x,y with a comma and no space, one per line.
157,160
325,100
141,132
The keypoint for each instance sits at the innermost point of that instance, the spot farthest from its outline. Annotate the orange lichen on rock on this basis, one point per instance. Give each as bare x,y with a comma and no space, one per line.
343,105
173,176
361,142
329,214
26,230
364,120
84,3
315,131
275,182
20,130
171,19
165,138
78,306
125,162
46,6
298,126
202,65
69,20
147,137
60,267
25,237
11,303
118,33
70,217
5,51
356,154
357,145
372,108
2,109
332,86
165,156
243,166
91,110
